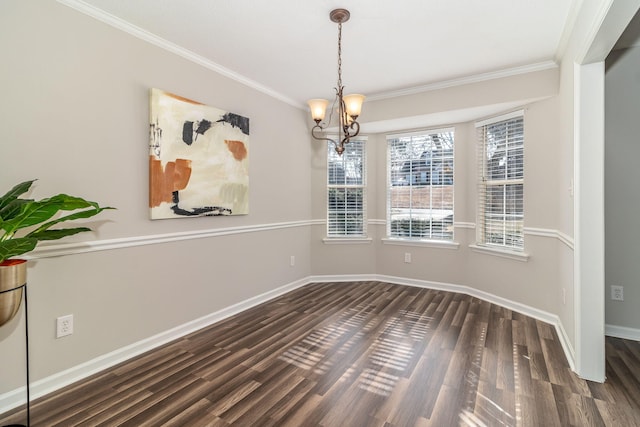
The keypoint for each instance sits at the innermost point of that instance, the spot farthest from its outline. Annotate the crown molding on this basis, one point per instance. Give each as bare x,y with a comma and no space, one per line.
539,66
155,40
144,35
570,24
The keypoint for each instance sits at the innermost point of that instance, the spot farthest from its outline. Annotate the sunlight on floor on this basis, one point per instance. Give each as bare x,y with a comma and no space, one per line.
389,358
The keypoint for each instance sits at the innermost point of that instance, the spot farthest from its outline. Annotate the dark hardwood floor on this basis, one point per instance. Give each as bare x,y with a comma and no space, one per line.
356,354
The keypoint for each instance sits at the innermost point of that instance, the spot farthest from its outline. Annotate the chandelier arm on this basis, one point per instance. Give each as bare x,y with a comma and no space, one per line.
347,135
321,138
356,125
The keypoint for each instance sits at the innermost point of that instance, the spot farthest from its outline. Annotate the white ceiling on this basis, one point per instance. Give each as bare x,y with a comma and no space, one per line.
289,47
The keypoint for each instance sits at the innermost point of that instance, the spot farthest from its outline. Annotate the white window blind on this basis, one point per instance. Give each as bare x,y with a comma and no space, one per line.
420,185
501,182
346,191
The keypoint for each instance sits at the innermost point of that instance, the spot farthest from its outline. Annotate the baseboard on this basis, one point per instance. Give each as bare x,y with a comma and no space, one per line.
344,278
622,332
15,398
44,386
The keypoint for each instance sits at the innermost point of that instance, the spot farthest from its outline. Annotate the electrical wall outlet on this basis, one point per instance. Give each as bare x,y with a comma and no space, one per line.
64,326
407,257
617,293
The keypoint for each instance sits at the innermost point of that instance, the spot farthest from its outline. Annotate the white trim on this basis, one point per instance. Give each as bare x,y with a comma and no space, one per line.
528,231
503,253
144,35
588,224
622,332
15,398
47,251
569,26
565,341
542,232
540,66
421,132
500,118
347,240
547,232
51,250
343,278
440,244
592,37
566,239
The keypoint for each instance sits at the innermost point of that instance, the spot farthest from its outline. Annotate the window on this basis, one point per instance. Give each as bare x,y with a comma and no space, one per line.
346,191
501,182
420,185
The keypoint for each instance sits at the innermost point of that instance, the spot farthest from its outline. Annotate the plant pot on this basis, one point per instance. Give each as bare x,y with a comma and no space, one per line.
13,275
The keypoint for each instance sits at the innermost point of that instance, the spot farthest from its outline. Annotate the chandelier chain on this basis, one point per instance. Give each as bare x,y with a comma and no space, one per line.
339,56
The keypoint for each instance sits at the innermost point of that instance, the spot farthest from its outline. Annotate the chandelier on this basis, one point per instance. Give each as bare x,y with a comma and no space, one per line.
348,107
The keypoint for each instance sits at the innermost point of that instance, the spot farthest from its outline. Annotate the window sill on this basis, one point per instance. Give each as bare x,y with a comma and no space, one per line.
518,256
346,240
440,244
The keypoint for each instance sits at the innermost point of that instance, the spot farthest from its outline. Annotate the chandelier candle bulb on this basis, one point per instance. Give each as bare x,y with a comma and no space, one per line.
353,104
318,109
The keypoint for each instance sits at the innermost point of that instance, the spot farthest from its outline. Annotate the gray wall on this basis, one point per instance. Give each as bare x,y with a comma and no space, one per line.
622,192
75,113
74,107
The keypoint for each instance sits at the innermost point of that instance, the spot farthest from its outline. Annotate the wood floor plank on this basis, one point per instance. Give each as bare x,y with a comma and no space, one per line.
76,396
494,406
175,400
426,383
196,414
280,410
618,415
356,354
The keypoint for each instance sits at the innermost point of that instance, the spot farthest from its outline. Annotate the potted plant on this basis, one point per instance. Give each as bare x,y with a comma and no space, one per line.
24,223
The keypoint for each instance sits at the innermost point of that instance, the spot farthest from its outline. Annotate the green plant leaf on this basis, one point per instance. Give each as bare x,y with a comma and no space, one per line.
36,212
12,209
69,203
76,215
57,234
15,247
38,215
31,214
13,194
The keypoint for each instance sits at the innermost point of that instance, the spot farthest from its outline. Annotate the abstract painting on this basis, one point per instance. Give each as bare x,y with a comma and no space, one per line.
198,159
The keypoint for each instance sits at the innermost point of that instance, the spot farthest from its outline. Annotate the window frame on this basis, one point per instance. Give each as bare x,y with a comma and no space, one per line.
332,232
417,181
513,244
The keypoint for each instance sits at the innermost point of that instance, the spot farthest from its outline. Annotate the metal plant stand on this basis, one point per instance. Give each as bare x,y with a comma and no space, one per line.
26,340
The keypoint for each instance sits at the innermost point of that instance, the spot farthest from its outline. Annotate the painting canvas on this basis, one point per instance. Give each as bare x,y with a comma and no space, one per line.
198,159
